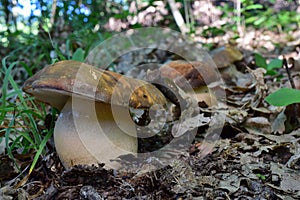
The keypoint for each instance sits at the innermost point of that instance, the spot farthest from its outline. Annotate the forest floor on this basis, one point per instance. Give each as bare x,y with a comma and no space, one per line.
256,157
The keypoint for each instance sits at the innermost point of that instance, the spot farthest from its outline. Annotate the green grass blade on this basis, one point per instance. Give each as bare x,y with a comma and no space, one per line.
39,152
6,72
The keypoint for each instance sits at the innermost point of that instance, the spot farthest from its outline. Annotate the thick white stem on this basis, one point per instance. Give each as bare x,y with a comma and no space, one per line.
203,94
85,136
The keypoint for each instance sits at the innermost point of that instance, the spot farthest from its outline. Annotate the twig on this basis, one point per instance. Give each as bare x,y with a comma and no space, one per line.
285,64
295,107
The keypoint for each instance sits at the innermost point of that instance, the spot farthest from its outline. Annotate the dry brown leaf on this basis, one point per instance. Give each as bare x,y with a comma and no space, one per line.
260,124
261,87
289,181
278,124
188,124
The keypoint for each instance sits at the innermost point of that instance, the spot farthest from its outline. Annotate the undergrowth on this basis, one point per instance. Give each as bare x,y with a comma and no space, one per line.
21,118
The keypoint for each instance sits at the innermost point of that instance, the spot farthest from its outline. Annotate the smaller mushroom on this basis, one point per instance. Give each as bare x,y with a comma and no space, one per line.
225,56
194,77
189,76
90,130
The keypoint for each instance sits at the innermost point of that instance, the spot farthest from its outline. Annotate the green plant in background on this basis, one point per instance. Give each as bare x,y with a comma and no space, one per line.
284,97
252,14
260,61
78,55
213,31
20,118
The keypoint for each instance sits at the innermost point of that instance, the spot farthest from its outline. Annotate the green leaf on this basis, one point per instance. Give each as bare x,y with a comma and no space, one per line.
260,20
40,149
262,177
260,61
284,97
254,7
250,20
284,18
59,53
271,72
275,64
78,55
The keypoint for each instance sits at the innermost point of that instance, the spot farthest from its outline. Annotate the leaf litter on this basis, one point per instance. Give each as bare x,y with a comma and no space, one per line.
257,155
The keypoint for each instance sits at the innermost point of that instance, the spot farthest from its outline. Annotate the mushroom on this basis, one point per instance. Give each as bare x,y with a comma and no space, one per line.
193,77
189,77
89,130
225,56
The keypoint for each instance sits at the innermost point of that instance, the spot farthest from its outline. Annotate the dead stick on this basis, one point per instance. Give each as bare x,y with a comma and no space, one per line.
289,73
294,118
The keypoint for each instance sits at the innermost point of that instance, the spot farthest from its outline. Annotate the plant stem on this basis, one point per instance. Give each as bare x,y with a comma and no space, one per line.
295,107
288,73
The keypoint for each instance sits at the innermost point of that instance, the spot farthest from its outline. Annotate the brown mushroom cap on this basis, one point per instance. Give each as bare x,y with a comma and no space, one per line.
226,55
199,73
55,84
193,72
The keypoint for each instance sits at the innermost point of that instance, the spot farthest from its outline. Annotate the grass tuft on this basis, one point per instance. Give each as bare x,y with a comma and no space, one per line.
21,118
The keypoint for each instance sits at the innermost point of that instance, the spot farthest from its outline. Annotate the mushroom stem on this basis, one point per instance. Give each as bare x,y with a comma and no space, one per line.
203,94
87,133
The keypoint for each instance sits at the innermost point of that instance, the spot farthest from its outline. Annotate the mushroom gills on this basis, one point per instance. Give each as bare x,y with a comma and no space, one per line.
88,132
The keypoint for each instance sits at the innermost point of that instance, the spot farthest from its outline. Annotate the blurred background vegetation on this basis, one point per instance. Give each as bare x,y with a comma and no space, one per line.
40,28
36,33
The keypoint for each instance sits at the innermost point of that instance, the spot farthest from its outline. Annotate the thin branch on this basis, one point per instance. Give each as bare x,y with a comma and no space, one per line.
295,107
178,17
285,65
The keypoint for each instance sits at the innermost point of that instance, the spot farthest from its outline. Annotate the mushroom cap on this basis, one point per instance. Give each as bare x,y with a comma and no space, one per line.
56,83
199,73
226,55
193,72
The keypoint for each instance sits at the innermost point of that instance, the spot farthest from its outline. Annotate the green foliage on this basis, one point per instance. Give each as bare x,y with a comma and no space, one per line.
20,117
284,97
261,177
213,32
78,55
274,64
260,61
262,16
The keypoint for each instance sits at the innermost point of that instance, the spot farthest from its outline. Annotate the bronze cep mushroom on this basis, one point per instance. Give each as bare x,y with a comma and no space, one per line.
94,125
